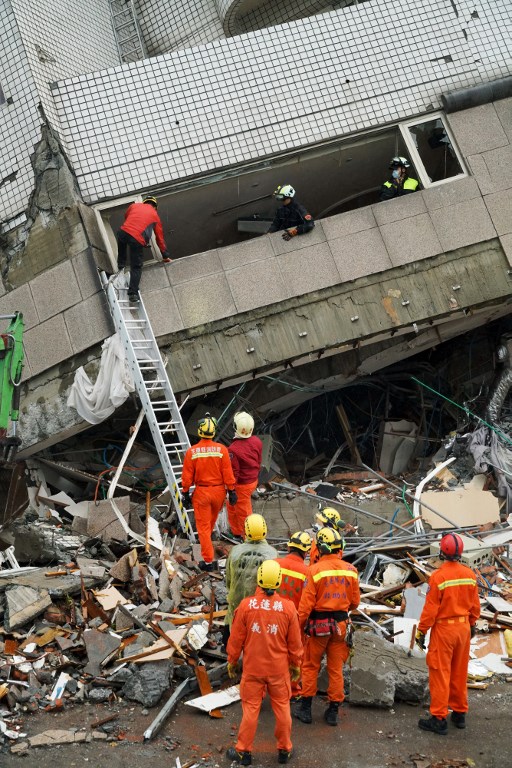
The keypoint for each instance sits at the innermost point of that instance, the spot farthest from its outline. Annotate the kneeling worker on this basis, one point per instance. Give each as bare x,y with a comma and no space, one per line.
266,629
451,610
291,216
331,590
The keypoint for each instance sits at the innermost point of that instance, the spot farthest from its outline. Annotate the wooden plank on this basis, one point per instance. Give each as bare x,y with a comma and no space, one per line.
345,425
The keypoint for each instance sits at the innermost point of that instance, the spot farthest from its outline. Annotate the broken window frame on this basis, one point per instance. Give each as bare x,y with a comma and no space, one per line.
110,237
414,154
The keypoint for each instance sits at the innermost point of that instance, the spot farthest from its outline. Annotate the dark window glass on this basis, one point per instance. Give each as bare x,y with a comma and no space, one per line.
436,150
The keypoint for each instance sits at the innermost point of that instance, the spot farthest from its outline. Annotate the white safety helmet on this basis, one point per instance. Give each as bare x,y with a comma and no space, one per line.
284,190
243,424
399,161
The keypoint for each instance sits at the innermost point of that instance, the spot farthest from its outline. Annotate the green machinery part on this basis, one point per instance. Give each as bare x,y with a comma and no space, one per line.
11,368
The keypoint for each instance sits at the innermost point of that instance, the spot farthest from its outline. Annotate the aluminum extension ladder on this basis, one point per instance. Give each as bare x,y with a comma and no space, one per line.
150,378
130,44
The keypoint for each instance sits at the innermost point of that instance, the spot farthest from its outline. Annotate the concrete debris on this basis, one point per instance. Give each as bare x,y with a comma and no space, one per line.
23,604
107,618
383,673
148,684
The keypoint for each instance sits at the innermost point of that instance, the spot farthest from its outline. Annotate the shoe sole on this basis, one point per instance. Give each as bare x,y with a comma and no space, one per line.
429,730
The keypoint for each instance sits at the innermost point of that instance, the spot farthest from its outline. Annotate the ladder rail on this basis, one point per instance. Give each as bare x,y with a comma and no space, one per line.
167,453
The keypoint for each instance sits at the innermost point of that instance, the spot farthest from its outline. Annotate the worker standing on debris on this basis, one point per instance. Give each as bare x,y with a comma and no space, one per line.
140,221
243,563
293,570
400,182
207,466
450,611
326,518
293,567
291,216
245,453
266,629
331,590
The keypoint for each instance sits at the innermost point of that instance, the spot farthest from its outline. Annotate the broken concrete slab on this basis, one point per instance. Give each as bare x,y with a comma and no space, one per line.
99,646
52,738
23,604
102,521
57,586
382,673
148,684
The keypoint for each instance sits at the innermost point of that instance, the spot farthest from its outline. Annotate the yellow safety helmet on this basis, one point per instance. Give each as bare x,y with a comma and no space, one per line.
329,516
207,427
151,200
269,575
255,528
300,540
328,540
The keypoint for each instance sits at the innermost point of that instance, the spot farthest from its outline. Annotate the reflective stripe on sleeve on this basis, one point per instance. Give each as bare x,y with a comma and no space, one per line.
293,574
323,574
457,583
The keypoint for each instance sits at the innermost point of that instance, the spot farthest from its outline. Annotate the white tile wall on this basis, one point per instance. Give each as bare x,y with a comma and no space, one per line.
42,41
167,26
259,94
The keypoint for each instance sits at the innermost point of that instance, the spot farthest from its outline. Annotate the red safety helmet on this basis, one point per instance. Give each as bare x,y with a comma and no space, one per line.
451,546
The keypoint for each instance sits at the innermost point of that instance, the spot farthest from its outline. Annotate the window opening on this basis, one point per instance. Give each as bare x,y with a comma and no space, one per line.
433,151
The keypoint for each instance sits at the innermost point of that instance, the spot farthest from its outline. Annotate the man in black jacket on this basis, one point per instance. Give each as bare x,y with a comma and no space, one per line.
291,216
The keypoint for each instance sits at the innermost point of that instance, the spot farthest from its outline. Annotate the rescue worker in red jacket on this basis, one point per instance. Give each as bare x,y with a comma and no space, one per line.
450,612
266,629
330,591
245,454
294,569
207,466
140,221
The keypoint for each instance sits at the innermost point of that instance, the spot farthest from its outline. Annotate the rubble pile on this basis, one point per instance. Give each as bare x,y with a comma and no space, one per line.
101,628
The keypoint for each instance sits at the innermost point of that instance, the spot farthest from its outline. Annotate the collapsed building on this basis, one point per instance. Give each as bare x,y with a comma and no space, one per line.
210,106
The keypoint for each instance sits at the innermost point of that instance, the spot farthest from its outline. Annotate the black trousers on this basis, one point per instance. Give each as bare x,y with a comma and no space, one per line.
127,245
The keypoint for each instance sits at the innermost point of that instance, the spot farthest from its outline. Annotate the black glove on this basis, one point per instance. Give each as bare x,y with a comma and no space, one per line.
185,497
232,497
473,630
420,639
286,236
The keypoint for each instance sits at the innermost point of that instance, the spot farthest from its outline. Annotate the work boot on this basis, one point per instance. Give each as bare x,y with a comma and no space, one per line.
208,567
331,713
283,755
458,719
242,758
133,298
303,712
435,724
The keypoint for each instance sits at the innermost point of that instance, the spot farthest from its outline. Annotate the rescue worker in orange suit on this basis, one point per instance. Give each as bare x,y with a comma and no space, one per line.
245,453
325,518
266,629
140,221
207,466
293,570
450,612
331,591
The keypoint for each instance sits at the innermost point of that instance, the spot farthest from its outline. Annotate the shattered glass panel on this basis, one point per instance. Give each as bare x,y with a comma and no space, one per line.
436,150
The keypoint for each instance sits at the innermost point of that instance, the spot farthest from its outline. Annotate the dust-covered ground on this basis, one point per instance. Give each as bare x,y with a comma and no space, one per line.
365,738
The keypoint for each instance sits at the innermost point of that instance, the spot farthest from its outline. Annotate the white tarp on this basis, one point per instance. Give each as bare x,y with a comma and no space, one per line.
96,401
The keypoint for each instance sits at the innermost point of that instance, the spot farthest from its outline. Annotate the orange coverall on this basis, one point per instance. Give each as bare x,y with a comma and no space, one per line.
331,585
266,629
293,569
207,466
451,608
